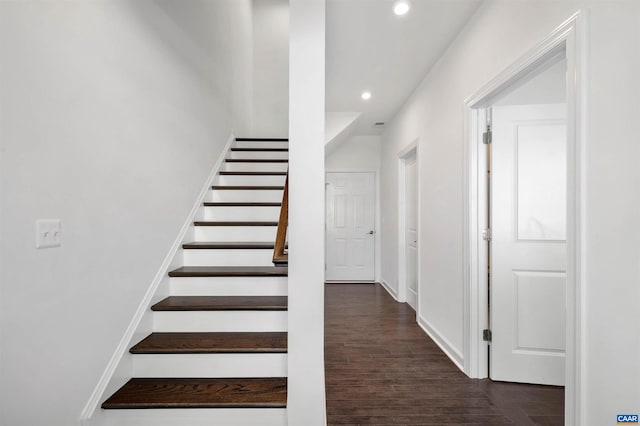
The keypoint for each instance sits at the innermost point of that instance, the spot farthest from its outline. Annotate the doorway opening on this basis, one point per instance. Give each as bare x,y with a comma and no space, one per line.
408,223
522,228
350,226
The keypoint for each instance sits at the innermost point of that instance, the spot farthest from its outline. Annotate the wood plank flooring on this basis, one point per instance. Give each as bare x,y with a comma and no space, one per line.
222,303
268,392
381,368
230,271
212,343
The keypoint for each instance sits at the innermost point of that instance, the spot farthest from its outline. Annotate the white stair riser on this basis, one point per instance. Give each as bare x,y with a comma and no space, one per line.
228,286
256,167
235,233
218,321
259,154
198,417
230,257
259,213
210,365
261,144
271,195
249,180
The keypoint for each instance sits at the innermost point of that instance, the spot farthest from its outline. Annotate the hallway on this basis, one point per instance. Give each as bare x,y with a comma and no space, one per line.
381,368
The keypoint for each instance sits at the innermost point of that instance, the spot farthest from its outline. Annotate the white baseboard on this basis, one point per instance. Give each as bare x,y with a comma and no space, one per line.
143,307
449,350
390,290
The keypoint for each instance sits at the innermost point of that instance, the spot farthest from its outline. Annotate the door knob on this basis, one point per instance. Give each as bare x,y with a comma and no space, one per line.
371,232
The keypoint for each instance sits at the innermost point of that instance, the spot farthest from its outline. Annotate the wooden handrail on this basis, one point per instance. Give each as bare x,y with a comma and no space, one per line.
280,255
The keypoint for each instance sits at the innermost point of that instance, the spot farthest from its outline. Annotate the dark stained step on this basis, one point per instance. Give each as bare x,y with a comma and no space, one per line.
224,173
268,392
211,343
262,139
240,204
260,149
229,245
228,223
222,303
247,187
229,271
256,160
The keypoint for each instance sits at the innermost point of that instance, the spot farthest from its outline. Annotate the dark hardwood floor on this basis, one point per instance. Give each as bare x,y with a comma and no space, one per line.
381,368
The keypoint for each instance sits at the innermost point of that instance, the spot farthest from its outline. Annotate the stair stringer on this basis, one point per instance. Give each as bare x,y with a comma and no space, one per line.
120,366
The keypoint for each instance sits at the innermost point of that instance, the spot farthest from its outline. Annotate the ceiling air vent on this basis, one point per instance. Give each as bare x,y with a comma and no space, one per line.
378,124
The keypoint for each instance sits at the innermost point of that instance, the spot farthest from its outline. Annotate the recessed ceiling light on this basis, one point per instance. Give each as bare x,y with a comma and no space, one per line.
401,7
366,95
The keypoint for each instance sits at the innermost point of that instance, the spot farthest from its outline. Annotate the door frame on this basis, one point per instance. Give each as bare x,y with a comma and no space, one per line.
403,155
568,40
376,217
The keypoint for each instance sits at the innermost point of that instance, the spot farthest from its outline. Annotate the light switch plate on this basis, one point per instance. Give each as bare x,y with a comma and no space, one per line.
48,233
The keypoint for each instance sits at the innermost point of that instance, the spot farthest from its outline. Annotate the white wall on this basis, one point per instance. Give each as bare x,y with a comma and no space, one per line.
110,120
500,33
221,31
305,404
357,153
270,68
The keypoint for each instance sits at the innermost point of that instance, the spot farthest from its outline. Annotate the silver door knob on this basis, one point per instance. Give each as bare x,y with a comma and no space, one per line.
371,232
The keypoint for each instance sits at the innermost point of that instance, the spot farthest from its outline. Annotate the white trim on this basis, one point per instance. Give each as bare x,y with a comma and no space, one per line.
445,345
391,291
570,37
407,152
377,244
143,308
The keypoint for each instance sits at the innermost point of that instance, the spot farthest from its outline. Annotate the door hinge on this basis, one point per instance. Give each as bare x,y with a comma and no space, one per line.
486,335
487,136
486,235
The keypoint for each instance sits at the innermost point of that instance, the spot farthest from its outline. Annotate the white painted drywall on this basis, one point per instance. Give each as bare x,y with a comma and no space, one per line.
111,119
499,34
356,153
222,31
305,404
338,127
270,68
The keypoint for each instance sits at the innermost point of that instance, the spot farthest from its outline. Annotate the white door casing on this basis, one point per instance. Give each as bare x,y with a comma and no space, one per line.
528,247
350,226
411,229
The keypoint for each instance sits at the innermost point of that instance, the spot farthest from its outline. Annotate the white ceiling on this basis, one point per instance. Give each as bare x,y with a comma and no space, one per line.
370,48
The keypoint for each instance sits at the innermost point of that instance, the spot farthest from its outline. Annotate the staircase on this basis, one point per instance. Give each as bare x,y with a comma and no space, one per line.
218,352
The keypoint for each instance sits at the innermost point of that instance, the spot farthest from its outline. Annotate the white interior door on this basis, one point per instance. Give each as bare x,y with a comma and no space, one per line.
411,229
528,247
350,218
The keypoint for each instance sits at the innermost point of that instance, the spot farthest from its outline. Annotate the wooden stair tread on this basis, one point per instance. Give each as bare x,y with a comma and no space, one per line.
268,392
241,204
233,223
222,303
260,149
256,160
262,139
247,187
198,343
229,271
228,245
232,173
